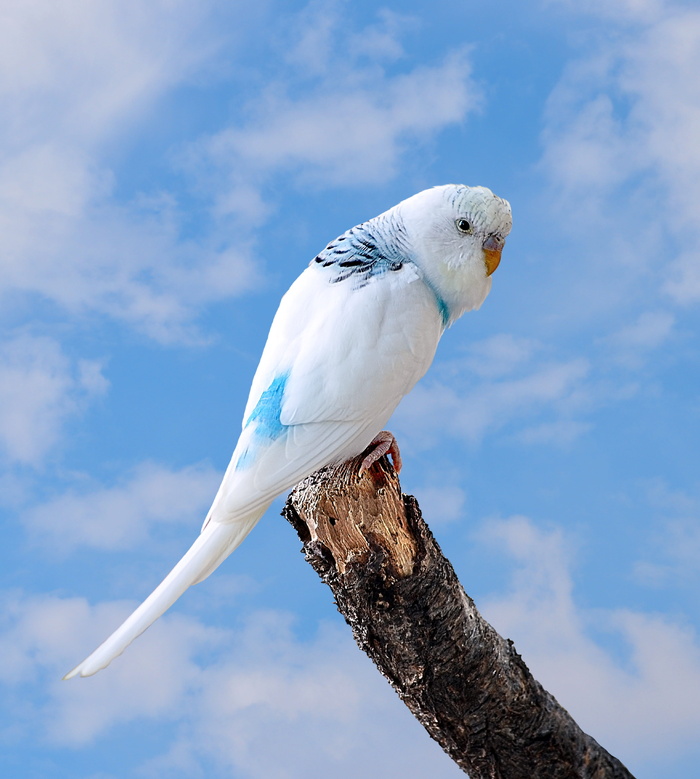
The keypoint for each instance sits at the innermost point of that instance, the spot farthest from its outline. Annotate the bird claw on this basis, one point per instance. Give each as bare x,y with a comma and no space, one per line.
382,444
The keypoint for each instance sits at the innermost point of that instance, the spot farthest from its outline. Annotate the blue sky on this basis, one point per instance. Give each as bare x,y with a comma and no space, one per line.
166,170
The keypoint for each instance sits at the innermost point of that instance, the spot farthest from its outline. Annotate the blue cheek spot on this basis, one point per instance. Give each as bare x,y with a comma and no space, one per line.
266,416
444,310
441,304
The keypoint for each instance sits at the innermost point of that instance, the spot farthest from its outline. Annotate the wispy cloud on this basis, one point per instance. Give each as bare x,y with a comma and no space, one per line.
41,637
625,115
338,114
74,83
123,516
503,381
322,692
328,706
674,548
67,232
642,704
633,344
442,498
83,70
40,389
350,130
128,262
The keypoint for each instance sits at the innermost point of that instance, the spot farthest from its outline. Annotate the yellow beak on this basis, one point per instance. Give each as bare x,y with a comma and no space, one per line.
493,246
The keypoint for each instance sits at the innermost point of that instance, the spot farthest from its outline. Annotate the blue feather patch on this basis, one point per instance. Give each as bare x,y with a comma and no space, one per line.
268,410
267,419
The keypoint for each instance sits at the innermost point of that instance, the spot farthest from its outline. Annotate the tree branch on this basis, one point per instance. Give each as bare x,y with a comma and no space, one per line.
465,684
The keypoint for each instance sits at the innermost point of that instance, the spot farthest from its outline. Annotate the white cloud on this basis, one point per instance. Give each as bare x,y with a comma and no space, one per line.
74,82
315,31
43,636
82,69
123,516
130,263
40,388
500,355
519,385
634,11
344,134
622,145
650,330
665,116
327,706
68,235
496,384
441,501
560,433
641,706
683,284
632,344
674,554
584,150
63,238
355,117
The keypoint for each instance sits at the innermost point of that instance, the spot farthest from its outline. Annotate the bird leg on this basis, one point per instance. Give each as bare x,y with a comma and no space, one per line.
382,444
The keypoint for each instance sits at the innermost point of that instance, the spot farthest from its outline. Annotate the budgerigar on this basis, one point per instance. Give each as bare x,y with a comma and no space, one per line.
351,337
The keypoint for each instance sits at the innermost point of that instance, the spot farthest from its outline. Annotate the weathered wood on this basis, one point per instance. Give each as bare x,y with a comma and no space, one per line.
467,686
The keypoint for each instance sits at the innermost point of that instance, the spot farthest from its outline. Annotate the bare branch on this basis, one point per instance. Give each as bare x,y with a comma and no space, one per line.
467,686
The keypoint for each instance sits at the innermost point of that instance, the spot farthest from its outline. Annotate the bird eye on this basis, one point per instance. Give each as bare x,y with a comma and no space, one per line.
463,226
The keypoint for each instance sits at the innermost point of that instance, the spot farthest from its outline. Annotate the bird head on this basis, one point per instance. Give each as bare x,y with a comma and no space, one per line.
456,235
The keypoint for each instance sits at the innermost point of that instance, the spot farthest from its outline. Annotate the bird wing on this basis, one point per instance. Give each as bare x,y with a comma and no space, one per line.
338,359
347,347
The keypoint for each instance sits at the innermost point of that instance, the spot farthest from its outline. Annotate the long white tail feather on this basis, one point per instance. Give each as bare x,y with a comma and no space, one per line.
212,547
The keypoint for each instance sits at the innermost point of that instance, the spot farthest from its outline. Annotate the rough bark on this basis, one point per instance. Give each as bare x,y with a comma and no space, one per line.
465,684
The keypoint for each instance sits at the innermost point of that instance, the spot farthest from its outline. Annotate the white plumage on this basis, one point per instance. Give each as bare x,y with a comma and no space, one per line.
351,337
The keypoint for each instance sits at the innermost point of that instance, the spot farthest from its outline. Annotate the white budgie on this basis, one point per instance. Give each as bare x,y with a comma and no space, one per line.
351,337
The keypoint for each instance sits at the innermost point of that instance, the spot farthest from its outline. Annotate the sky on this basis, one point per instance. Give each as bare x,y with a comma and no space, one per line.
166,170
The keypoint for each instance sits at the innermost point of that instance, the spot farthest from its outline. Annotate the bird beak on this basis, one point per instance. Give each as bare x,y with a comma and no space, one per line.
493,246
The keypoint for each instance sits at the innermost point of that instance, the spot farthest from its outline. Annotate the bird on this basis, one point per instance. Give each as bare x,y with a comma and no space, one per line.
351,337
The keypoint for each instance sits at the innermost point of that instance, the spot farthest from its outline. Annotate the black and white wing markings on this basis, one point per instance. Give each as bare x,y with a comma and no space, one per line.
360,254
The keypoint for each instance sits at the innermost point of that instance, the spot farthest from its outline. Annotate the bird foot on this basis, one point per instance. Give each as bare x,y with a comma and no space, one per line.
382,444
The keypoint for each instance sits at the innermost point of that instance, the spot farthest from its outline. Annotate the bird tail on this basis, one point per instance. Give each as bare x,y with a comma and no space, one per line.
214,544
